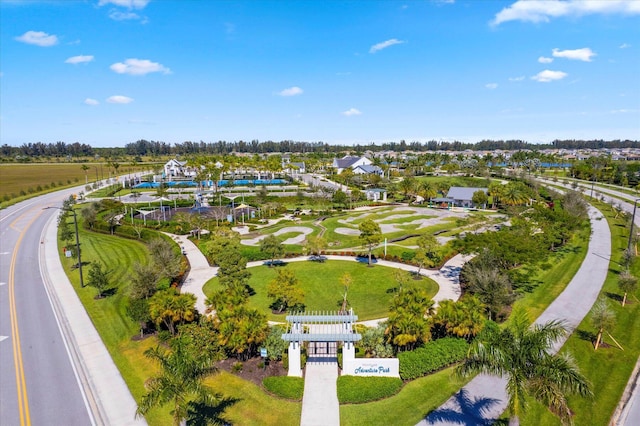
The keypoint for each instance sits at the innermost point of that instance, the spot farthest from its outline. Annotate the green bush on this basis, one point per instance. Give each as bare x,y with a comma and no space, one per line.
285,386
358,390
431,357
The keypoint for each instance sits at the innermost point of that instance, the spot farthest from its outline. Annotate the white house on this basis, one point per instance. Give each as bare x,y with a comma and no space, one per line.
340,164
368,170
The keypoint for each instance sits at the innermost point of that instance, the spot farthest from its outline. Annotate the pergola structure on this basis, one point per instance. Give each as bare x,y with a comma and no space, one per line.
319,327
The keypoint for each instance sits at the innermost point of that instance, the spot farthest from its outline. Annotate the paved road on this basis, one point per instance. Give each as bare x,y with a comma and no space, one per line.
484,399
38,383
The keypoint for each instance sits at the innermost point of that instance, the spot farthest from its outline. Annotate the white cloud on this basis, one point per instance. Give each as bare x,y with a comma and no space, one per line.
119,99
79,59
625,46
545,60
117,15
135,66
624,111
38,38
351,111
291,91
491,86
519,78
131,4
583,54
547,76
385,44
90,101
544,10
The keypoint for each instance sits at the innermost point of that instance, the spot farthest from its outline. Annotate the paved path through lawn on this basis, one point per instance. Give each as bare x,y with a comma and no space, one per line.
484,399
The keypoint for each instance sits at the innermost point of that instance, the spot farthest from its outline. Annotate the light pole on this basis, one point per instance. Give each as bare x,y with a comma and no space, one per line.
75,222
633,217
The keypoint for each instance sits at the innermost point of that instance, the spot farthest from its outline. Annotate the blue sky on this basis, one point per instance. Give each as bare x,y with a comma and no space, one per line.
110,72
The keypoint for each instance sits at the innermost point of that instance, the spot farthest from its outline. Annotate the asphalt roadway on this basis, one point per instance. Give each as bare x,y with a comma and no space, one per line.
38,383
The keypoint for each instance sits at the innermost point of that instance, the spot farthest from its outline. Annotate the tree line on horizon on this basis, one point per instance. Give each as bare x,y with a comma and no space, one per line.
144,147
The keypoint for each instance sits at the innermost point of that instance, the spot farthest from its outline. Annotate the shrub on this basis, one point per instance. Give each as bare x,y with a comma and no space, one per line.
237,367
358,390
285,386
431,357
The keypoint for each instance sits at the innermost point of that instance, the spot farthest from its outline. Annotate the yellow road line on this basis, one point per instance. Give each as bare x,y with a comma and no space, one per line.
21,386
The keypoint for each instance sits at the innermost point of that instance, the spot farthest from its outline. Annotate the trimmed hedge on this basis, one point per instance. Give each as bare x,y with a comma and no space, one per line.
358,390
431,357
285,386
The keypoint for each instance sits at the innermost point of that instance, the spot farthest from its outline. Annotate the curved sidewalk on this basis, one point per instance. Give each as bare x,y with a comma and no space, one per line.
484,398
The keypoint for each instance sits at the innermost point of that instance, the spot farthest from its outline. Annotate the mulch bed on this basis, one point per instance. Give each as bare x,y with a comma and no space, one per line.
251,370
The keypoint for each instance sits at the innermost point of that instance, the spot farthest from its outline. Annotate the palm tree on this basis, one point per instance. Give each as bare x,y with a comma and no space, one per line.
180,381
522,355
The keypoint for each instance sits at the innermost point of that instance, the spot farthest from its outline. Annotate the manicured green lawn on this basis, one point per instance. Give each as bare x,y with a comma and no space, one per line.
370,294
250,405
409,406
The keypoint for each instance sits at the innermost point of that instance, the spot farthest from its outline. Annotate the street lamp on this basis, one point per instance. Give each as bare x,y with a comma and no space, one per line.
633,217
75,222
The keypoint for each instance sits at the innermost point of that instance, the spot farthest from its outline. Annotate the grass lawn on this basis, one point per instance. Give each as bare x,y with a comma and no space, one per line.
250,405
370,294
409,406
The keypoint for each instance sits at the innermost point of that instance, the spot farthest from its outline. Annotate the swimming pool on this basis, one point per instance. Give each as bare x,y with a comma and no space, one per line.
223,182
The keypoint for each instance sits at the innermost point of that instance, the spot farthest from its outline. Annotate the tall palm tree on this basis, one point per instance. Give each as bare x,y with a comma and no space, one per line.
522,355
180,381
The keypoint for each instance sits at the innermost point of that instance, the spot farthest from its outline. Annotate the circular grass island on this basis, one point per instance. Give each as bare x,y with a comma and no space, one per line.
370,293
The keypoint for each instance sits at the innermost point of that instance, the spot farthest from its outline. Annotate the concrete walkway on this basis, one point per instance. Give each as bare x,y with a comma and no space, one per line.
484,399
320,405
108,395
199,273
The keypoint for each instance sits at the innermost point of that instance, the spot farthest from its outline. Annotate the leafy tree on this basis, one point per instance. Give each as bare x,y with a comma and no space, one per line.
272,247
426,254
346,280
171,308
370,235
98,278
315,245
628,283
89,214
144,280
602,318
180,380
285,290
138,310
165,258
521,354
480,198
340,198
202,338
409,323
274,343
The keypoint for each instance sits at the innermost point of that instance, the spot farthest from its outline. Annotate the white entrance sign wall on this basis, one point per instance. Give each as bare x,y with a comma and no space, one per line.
376,367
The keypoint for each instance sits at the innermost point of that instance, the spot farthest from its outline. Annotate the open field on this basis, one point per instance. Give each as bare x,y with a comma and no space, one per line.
22,180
